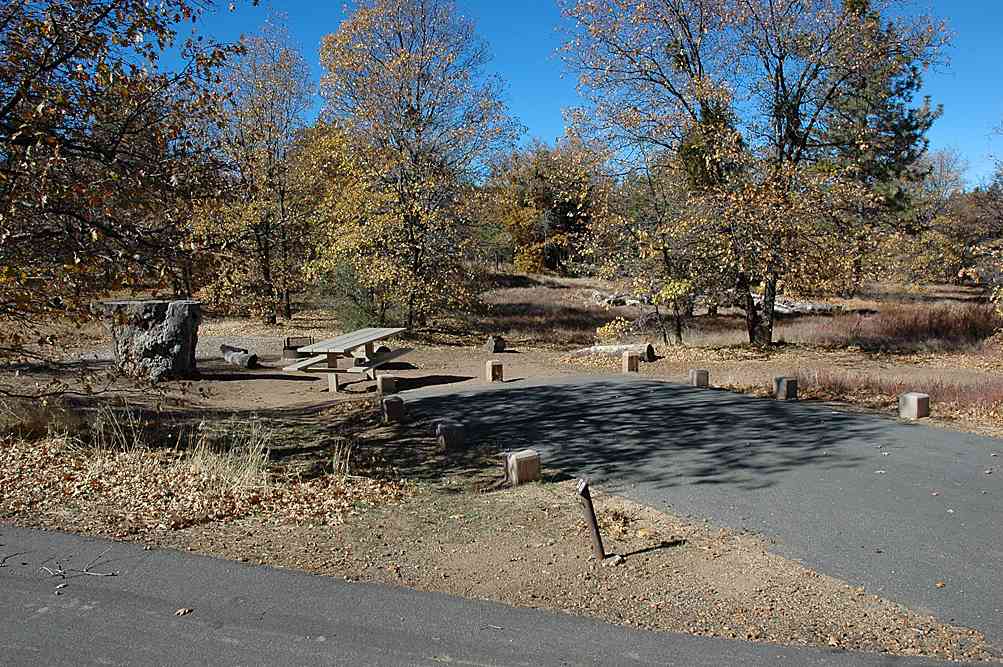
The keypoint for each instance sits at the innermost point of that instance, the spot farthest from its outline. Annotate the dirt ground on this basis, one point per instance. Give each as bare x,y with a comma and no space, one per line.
450,526
530,547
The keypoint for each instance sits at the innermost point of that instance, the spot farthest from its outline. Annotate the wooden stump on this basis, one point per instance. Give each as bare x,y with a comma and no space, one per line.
631,362
386,384
699,377
393,410
785,388
914,405
494,372
154,339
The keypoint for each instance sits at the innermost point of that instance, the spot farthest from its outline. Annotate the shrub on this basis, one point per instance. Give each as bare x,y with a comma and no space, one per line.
613,331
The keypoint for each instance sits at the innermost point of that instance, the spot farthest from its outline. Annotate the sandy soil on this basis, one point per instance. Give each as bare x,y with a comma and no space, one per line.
459,533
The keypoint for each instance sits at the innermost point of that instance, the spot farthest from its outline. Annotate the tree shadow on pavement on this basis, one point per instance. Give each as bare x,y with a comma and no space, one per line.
654,432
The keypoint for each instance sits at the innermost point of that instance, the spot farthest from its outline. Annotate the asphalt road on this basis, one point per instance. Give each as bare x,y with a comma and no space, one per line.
892,506
249,615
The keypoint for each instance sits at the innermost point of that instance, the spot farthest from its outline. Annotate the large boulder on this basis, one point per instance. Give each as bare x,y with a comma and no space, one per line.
154,340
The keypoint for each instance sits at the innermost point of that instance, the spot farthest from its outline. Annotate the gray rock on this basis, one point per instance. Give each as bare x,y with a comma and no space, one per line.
495,344
155,340
613,560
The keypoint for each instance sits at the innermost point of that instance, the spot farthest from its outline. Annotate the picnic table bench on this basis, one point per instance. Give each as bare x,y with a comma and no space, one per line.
330,352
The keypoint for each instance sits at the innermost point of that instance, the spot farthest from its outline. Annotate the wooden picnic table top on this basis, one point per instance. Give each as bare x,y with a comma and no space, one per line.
349,341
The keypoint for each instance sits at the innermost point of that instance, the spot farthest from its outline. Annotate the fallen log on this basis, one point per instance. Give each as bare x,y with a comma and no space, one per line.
238,356
645,350
619,299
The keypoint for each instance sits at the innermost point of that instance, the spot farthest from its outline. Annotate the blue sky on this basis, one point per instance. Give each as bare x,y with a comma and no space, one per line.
523,37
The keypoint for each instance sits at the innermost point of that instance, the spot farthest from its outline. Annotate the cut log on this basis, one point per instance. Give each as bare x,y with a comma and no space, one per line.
238,356
645,350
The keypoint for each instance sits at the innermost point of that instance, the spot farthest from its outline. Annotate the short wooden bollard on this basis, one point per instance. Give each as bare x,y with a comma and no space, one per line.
522,466
585,498
785,388
386,385
494,372
699,377
451,435
914,405
393,410
631,362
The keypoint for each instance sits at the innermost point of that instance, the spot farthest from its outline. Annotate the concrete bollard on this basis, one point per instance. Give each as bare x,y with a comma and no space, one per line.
914,405
785,388
699,377
386,385
631,362
494,371
393,410
451,435
522,466
333,383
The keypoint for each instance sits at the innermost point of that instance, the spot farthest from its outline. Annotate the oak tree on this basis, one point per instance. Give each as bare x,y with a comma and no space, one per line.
405,82
758,84
98,159
253,234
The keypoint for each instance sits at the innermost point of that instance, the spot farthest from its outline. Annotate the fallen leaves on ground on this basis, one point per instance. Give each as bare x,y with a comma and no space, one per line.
159,489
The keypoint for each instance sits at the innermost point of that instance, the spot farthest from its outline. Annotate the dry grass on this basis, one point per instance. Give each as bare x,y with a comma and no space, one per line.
977,398
910,328
127,474
32,419
895,328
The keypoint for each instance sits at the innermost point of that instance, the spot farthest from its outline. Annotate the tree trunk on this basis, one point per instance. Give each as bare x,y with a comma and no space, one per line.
287,305
678,315
661,325
764,330
751,312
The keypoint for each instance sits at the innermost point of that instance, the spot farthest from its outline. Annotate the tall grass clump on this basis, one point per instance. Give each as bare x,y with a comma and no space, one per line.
909,328
227,455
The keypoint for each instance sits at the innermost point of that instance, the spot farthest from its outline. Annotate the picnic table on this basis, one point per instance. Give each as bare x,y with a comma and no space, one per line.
330,352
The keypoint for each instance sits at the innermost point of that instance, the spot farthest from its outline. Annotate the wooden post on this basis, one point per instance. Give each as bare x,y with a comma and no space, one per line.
585,498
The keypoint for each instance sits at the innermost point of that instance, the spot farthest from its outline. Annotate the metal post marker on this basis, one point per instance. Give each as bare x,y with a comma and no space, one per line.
585,498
